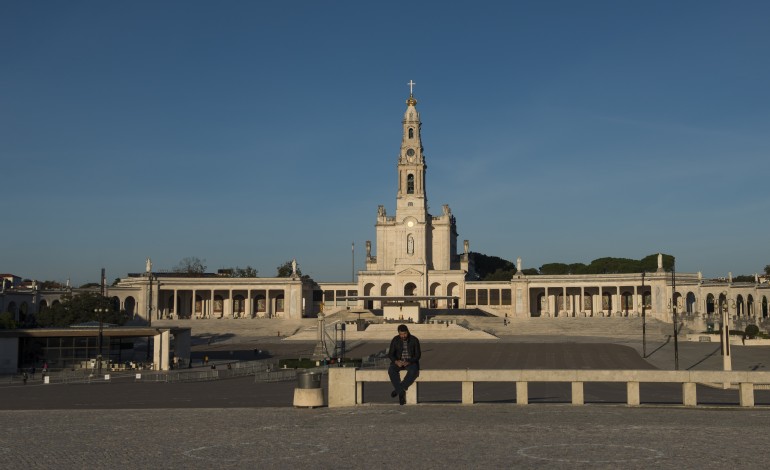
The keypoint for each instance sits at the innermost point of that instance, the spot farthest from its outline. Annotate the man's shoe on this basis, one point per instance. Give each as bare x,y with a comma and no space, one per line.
402,398
393,394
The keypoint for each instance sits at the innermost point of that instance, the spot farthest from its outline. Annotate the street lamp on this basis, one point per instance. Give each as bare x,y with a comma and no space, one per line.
673,308
644,322
100,311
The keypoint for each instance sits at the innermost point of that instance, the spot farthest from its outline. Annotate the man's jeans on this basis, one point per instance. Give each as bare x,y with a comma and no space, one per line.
412,371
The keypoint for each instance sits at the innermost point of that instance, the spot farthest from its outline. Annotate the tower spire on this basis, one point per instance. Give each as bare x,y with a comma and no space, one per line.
411,101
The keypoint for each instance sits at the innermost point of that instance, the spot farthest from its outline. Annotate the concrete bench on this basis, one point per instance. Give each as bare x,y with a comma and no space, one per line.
346,385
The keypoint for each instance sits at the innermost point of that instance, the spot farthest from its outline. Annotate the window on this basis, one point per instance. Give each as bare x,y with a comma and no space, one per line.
410,184
506,296
411,133
494,296
483,297
470,296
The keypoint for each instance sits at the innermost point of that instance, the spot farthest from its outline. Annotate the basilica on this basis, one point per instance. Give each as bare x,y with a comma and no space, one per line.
415,255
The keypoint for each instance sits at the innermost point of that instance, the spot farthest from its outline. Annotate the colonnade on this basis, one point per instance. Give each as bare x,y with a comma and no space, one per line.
220,303
571,301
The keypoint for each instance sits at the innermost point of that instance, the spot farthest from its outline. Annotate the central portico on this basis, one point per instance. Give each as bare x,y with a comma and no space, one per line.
416,252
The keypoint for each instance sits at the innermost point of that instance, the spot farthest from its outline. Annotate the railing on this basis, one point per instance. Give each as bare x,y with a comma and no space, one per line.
346,385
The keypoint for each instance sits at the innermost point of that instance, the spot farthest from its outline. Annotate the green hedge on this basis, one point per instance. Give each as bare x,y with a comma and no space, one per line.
307,363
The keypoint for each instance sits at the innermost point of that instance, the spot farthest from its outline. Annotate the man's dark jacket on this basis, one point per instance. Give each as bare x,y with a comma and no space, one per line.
397,345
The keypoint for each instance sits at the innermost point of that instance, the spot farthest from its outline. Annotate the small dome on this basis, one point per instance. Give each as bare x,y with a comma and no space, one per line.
411,101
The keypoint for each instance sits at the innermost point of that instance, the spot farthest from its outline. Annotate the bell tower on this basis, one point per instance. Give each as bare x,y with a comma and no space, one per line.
416,252
411,200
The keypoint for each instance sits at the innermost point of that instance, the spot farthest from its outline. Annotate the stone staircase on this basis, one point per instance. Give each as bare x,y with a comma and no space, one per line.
609,327
386,331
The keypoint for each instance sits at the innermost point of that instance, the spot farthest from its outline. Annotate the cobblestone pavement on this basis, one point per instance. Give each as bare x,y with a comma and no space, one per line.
534,436
238,423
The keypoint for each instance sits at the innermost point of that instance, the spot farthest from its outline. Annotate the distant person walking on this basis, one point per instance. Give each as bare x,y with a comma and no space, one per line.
404,354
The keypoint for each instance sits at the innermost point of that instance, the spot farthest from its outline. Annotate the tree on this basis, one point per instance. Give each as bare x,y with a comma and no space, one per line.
190,265
284,270
500,275
7,322
79,308
90,285
248,271
492,268
551,269
46,285
767,270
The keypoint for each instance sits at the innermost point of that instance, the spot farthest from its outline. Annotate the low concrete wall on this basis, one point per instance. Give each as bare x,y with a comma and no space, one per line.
346,384
736,340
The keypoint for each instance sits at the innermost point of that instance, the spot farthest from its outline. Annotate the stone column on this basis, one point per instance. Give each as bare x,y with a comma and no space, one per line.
636,301
582,300
174,306
268,304
193,313
564,300
231,302
211,305
547,303
598,302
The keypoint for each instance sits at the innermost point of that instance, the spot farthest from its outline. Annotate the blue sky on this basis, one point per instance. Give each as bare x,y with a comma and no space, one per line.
249,133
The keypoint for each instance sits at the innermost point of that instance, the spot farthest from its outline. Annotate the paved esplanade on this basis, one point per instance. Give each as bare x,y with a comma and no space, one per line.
499,436
242,424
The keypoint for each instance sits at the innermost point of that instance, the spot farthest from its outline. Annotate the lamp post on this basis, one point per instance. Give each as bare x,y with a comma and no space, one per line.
724,336
100,311
644,322
673,307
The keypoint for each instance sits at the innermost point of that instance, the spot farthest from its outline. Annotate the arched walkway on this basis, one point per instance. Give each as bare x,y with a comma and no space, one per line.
409,288
627,303
690,303
435,289
239,306
368,290
129,305
451,289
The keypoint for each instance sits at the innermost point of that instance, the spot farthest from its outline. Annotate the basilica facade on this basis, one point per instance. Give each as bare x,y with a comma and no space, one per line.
416,252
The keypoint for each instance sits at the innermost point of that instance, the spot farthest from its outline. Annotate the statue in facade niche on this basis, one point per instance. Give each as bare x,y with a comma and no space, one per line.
368,249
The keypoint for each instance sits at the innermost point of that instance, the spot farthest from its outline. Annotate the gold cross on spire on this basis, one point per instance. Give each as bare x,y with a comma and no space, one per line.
411,87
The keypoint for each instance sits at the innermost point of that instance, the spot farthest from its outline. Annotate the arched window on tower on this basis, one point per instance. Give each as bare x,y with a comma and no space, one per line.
411,133
410,184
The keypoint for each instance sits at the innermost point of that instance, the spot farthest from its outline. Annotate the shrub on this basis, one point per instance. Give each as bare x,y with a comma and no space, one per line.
752,331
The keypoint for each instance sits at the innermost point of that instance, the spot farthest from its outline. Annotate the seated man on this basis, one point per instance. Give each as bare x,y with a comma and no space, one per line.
404,354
